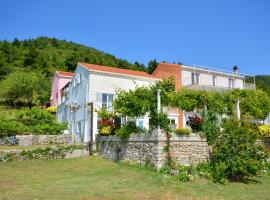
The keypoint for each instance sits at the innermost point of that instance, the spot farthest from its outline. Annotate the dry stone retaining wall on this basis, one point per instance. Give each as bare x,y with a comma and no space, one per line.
29,140
149,148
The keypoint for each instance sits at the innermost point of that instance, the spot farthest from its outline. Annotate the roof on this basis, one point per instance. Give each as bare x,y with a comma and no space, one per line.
62,73
116,70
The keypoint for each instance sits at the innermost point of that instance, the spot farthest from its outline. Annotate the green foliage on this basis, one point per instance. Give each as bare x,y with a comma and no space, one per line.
105,114
9,127
40,121
133,103
106,122
127,129
182,131
142,100
204,169
253,103
43,56
211,126
236,153
34,121
263,83
24,87
152,65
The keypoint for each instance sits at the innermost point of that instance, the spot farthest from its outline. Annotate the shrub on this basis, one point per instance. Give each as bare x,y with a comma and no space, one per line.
186,173
126,130
265,130
10,127
106,122
210,127
105,130
35,116
182,131
52,109
53,128
40,121
195,123
204,169
236,152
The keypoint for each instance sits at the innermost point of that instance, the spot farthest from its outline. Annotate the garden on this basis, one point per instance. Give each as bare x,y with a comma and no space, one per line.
26,121
230,122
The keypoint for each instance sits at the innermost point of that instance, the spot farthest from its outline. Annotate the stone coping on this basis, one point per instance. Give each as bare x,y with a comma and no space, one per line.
154,137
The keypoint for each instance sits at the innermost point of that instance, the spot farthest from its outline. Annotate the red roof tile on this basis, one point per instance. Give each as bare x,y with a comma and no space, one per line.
116,70
62,73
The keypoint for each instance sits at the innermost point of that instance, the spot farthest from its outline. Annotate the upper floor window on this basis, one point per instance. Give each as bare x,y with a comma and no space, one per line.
107,100
214,79
195,78
231,83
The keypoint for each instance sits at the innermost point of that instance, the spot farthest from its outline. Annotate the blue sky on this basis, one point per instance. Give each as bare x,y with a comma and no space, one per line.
212,33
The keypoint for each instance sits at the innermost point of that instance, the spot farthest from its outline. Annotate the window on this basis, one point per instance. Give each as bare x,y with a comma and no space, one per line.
172,123
107,100
214,80
79,127
231,83
141,123
195,78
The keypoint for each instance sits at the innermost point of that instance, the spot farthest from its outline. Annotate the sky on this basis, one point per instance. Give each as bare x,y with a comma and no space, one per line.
213,33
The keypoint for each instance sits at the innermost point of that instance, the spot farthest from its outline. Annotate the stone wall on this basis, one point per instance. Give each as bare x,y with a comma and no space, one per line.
149,148
16,155
29,140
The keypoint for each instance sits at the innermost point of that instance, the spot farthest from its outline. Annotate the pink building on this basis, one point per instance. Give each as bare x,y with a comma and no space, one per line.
60,79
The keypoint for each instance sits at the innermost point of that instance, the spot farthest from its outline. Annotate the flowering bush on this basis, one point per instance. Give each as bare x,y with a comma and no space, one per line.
105,130
51,109
106,122
265,130
195,123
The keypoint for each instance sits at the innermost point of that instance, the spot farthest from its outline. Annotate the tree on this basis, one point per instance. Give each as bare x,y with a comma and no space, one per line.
152,65
20,86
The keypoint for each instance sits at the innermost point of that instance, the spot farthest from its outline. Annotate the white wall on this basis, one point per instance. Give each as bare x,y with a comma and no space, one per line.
206,78
109,83
78,94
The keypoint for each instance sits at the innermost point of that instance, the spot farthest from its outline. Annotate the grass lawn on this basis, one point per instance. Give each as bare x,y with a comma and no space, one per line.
96,178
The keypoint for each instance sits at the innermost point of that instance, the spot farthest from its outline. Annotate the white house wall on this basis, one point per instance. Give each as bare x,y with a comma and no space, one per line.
109,83
206,78
78,94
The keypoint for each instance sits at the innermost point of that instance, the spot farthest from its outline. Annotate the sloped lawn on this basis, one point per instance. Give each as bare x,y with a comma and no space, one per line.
96,178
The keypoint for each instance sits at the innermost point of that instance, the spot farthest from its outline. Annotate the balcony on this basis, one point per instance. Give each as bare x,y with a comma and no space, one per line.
207,88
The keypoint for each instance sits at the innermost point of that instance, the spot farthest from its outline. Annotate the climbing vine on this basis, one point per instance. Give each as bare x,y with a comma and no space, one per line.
254,105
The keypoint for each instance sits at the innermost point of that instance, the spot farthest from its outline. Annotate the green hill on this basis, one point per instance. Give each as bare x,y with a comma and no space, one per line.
49,54
263,82
44,56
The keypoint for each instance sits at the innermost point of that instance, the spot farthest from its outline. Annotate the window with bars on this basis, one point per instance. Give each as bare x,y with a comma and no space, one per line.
195,78
231,83
214,79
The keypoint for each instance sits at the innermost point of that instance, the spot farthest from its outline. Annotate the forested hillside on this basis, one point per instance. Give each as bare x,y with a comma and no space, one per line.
48,54
33,62
263,82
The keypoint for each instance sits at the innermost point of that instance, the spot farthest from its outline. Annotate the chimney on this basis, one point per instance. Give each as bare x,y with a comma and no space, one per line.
235,70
